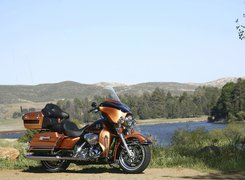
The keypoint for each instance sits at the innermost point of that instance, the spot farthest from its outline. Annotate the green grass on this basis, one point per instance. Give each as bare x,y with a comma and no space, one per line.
21,162
222,150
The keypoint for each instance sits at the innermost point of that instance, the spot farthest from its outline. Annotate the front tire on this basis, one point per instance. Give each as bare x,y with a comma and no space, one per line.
55,166
139,162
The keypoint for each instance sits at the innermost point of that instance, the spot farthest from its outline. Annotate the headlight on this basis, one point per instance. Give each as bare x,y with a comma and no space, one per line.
129,121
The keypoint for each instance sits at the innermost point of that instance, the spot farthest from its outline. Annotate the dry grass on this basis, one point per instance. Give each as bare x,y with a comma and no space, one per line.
11,125
7,123
7,110
176,120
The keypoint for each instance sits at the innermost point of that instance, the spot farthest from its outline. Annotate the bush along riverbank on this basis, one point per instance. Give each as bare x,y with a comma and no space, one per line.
222,150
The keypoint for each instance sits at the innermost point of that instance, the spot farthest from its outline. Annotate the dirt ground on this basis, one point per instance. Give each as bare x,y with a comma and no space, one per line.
111,174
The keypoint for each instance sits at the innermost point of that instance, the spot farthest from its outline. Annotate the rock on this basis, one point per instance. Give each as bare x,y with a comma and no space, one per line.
9,153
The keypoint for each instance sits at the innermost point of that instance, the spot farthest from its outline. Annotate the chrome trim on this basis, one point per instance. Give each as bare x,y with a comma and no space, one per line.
51,158
106,145
42,138
79,149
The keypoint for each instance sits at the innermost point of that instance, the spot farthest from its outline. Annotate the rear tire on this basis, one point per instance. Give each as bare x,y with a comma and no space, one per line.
139,162
55,166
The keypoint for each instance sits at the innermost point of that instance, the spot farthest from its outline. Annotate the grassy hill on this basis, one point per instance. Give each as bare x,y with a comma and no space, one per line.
45,92
70,90
139,89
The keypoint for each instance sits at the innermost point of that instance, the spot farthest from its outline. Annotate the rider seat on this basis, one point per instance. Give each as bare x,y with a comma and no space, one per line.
71,129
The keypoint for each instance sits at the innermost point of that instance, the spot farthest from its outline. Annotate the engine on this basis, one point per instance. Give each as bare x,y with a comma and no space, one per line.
89,150
91,138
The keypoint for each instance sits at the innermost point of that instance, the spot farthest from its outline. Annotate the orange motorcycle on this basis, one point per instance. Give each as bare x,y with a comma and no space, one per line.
109,140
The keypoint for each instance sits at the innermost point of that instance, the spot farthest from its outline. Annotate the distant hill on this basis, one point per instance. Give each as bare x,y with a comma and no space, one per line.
45,92
69,90
219,83
173,87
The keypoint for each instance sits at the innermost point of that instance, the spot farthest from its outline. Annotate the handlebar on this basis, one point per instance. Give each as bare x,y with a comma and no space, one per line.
94,109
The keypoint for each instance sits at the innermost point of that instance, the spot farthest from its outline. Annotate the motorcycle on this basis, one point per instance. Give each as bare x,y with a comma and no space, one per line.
109,140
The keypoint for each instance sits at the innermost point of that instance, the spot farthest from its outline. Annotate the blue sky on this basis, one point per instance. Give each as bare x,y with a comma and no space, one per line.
130,41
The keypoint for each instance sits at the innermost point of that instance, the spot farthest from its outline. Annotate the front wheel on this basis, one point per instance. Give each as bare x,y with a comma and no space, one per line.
55,166
136,163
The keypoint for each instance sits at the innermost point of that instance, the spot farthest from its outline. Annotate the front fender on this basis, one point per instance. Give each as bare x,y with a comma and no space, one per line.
142,139
136,138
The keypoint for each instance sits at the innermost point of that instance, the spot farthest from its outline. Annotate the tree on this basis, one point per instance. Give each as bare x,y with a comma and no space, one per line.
157,103
143,109
77,108
223,106
170,102
241,29
238,96
186,106
16,115
205,98
231,103
32,109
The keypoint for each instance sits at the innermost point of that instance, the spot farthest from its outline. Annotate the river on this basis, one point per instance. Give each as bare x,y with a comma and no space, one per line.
163,133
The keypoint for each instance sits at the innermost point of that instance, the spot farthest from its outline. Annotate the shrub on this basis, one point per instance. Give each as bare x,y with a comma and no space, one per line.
200,149
27,136
241,116
21,162
195,138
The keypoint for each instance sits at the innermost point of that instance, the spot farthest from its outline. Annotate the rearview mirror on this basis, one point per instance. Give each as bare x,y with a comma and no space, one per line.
94,104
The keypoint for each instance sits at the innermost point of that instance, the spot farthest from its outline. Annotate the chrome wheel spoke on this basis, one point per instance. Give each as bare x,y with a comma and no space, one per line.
132,163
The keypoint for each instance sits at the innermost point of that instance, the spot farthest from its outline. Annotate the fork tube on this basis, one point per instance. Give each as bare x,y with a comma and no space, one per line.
125,144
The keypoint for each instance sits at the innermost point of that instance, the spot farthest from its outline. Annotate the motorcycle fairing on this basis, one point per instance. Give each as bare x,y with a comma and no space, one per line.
117,105
112,114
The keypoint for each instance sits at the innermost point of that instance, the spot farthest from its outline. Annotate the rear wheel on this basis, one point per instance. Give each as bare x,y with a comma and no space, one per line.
136,163
55,166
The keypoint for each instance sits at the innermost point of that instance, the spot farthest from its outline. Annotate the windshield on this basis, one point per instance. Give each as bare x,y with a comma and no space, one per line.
107,93
112,95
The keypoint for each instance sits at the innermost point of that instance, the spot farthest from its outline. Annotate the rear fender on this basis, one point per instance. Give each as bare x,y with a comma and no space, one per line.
137,138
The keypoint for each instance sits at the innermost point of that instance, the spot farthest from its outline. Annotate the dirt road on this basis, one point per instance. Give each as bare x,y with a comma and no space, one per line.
111,174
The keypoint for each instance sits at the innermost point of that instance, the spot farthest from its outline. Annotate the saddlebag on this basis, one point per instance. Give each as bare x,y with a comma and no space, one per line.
46,141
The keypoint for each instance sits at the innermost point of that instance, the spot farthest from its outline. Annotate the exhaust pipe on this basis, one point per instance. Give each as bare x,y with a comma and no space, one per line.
50,158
